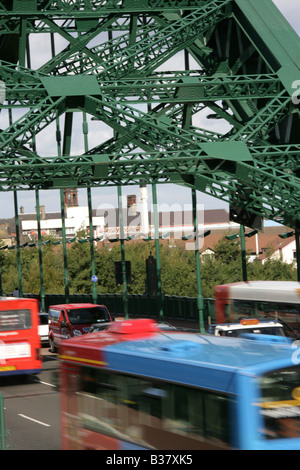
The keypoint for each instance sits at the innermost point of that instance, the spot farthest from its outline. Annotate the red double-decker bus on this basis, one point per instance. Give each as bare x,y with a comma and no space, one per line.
19,337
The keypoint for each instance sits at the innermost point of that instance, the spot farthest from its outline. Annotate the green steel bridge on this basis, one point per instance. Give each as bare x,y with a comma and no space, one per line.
200,93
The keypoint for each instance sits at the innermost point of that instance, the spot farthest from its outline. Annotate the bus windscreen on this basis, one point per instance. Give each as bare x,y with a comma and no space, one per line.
280,403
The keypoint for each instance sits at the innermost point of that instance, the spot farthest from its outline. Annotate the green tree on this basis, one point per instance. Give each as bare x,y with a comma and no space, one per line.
272,270
178,271
79,268
178,268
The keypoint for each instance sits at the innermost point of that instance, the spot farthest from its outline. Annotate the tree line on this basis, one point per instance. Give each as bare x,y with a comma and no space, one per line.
178,268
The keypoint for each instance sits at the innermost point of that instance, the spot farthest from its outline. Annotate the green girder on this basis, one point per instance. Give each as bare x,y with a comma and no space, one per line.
198,93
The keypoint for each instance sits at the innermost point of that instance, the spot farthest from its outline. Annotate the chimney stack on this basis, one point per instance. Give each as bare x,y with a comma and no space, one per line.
131,204
144,209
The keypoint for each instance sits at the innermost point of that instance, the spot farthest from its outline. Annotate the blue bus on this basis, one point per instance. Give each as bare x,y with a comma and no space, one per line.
134,386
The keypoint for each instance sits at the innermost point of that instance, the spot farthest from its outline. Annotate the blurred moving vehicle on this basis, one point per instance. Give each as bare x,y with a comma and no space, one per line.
245,326
99,327
67,320
134,386
19,337
279,300
103,326
43,328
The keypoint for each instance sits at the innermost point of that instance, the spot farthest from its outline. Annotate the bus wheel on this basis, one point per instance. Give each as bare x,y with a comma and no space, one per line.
52,347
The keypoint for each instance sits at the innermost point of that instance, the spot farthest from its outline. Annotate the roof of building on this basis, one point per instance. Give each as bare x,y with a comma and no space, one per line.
4,235
268,241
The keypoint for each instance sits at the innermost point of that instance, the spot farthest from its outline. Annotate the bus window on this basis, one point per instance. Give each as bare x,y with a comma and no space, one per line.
15,320
134,408
243,308
184,413
217,416
198,413
151,405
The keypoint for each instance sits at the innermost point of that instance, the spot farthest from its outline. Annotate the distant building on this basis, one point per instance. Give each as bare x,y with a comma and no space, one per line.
76,218
173,225
7,233
6,239
106,222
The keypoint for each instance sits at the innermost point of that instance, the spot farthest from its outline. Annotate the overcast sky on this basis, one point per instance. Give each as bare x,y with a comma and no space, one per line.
168,195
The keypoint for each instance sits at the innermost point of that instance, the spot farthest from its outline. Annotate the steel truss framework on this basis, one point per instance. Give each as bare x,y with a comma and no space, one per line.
201,93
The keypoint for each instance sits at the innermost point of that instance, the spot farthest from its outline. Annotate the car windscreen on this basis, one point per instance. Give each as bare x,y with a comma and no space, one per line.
43,319
87,315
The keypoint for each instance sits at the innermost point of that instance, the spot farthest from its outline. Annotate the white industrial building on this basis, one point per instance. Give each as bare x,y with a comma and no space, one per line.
173,223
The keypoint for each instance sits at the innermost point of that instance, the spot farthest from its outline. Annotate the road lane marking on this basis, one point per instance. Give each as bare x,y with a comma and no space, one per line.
35,420
46,383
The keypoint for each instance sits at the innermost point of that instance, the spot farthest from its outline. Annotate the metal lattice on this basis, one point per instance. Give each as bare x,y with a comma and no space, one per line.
201,93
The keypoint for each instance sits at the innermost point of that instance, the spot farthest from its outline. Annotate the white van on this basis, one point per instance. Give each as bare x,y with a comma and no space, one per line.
251,325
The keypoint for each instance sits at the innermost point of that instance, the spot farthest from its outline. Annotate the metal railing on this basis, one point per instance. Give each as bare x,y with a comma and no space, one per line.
175,308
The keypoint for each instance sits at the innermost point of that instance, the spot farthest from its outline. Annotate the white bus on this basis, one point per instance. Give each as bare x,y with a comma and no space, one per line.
259,299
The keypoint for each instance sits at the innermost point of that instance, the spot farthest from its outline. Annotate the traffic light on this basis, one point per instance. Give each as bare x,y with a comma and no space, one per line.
119,274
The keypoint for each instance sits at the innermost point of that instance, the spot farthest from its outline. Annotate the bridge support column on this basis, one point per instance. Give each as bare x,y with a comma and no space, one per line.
66,275
94,284
20,288
200,303
243,250
38,216
158,268
121,235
